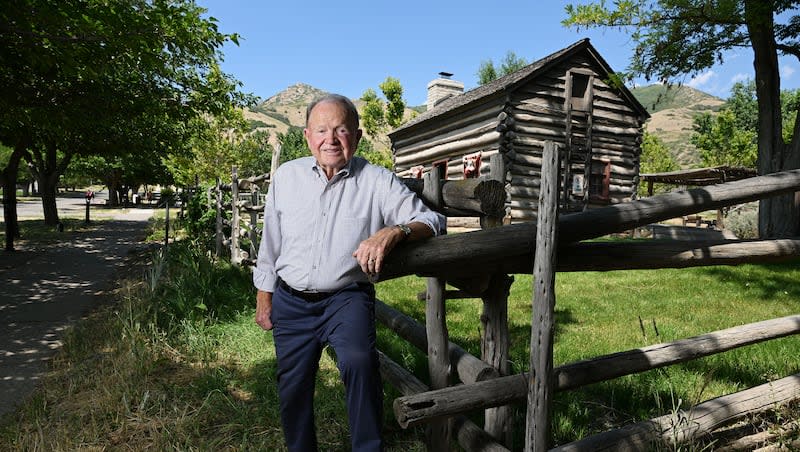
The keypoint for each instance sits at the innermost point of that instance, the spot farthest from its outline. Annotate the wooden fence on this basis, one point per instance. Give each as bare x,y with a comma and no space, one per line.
553,245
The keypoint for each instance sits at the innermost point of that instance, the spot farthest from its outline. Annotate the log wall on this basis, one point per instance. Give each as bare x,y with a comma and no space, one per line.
517,124
539,115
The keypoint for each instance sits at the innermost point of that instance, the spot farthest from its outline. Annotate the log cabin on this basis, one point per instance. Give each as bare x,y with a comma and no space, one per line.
570,97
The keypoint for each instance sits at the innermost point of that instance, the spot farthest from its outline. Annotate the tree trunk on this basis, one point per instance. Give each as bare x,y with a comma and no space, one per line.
49,189
46,168
9,182
778,216
114,184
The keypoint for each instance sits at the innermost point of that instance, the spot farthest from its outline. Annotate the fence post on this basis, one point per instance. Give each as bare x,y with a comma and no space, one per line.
218,249
236,257
437,432
253,222
495,338
540,378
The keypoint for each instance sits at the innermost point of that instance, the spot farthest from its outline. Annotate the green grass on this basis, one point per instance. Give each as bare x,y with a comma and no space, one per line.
178,362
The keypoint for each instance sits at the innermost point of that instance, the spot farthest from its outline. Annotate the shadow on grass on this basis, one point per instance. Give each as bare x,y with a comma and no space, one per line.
768,281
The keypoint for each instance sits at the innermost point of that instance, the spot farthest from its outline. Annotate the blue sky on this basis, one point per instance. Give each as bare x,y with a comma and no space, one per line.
349,46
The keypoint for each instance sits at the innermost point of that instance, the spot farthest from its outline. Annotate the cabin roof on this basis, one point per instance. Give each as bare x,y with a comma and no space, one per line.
513,80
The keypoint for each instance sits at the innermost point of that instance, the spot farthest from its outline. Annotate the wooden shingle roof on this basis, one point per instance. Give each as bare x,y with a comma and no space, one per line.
512,81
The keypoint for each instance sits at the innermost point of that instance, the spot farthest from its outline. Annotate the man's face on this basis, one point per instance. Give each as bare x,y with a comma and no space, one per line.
331,140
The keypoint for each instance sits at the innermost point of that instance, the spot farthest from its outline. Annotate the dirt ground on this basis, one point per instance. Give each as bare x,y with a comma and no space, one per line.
46,289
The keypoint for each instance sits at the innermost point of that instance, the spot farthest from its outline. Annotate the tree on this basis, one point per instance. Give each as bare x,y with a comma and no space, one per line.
376,114
655,158
486,72
367,150
511,63
678,37
293,144
730,138
96,77
721,142
395,105
372,117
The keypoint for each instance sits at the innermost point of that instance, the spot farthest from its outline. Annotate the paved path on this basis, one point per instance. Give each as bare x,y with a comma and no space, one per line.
43,291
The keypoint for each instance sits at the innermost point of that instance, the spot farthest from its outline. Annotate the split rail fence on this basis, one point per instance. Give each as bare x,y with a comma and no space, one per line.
479,264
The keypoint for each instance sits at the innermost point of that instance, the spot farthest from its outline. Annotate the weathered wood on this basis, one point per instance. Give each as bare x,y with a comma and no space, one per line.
219,237
254,235
469,435
460,253
495,337
495,343
479,196
253,181
236,256
540,381
674,429
445,149
503,390
405,138
438,431
477,128
468,367
607,256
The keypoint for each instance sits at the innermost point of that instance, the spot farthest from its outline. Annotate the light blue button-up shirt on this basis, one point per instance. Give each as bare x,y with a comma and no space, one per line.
313,225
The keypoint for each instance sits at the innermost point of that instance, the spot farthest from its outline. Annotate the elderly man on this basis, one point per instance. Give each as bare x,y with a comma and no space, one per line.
330,220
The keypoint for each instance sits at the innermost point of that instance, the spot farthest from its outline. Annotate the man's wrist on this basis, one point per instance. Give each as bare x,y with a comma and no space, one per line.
405,230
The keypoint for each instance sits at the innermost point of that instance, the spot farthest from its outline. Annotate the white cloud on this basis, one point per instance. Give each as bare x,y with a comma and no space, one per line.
787,71
702,79
740,77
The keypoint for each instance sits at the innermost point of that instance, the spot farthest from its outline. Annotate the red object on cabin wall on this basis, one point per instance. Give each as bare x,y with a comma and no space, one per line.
472,165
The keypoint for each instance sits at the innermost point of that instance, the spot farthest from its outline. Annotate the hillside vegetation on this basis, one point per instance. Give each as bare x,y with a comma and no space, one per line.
672,111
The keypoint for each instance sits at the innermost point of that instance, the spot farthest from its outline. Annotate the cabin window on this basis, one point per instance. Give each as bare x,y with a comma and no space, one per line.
443,165
580,82
472,165
579,99
417,171
600,180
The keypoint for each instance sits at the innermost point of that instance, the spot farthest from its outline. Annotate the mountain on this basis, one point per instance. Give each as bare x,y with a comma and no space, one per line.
672,111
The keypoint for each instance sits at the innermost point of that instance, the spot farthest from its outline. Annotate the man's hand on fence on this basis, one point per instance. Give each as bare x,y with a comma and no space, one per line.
264,309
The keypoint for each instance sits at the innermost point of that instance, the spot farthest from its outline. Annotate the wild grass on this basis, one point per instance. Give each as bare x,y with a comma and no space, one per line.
176,362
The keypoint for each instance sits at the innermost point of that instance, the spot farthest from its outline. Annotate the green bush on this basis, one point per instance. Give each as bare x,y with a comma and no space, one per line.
200,220
196,288
743,221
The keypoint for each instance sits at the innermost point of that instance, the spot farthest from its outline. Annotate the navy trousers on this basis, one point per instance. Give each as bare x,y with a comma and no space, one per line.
346,321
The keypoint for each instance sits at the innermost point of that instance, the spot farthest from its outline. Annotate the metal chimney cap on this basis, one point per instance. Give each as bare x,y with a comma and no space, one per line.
446,75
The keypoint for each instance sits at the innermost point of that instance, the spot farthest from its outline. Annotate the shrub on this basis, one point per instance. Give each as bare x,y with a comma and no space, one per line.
743,221
201,219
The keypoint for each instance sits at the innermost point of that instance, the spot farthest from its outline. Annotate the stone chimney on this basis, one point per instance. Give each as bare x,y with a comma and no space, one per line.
442,88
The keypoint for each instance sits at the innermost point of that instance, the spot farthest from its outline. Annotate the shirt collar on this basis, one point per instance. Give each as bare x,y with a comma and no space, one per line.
343,172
